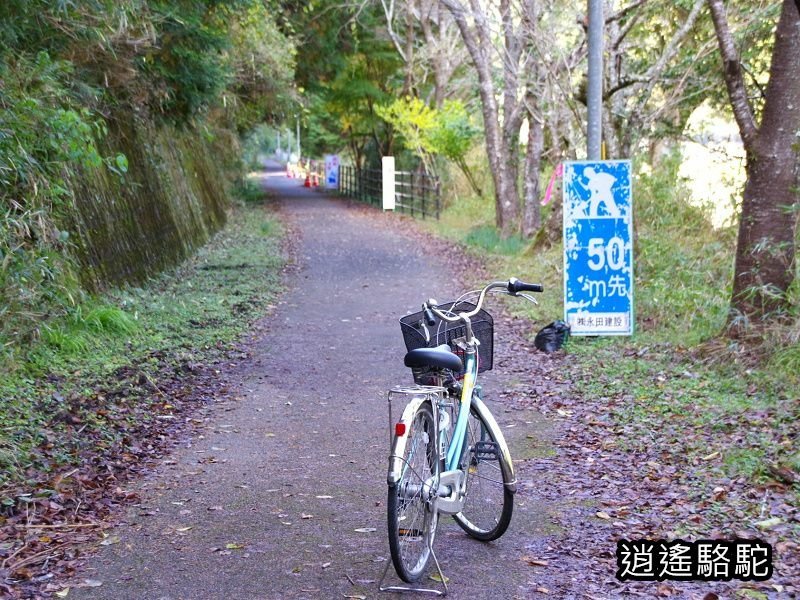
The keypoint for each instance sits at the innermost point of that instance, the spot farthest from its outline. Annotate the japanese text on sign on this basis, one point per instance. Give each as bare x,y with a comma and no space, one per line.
598,254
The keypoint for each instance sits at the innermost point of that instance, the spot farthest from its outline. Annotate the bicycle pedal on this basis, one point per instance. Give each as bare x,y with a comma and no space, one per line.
486,451
411,533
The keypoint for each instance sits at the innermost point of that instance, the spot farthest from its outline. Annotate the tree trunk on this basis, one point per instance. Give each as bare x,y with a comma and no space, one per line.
765,253
531,214
765,250
501,146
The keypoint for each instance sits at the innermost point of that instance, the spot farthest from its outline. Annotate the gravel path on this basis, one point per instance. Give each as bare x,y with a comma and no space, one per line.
283,496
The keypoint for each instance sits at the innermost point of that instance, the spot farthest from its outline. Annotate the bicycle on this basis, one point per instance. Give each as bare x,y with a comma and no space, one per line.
448,455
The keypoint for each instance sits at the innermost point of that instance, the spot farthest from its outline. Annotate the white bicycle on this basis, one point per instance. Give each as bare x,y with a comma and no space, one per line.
448,455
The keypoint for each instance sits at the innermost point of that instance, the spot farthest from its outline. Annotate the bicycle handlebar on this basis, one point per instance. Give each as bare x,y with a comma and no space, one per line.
516,286
513,287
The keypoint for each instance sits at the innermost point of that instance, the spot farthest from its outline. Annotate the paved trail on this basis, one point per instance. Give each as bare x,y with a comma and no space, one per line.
267,504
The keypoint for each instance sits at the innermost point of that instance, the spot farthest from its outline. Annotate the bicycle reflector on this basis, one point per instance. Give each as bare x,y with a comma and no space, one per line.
400,429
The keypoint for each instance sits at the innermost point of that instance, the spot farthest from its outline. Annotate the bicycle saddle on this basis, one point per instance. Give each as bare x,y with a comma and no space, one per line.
440,357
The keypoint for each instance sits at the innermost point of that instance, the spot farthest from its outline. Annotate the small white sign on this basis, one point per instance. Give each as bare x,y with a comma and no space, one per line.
388,182
332,171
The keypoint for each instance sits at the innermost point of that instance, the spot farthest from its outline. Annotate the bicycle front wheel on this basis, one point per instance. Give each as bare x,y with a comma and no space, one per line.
412,516
489,498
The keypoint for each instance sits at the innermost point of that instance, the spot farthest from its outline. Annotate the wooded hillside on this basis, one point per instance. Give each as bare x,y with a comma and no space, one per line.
119,126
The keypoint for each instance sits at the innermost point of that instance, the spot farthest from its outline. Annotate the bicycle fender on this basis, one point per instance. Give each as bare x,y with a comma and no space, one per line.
506,464
399,442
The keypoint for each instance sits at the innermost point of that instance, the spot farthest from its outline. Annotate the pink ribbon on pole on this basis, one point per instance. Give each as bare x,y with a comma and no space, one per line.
557,172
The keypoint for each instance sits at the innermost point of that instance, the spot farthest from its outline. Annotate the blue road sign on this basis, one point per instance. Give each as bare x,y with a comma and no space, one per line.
598,247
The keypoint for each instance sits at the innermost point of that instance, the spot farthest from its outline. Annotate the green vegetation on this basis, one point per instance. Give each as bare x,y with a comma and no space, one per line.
447,131
82,81
96,374
675,385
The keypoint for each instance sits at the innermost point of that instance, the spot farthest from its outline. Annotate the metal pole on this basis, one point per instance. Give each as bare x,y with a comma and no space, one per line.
298,137
594,96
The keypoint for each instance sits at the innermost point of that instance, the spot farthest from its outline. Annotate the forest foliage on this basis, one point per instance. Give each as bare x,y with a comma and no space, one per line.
519,69
70,70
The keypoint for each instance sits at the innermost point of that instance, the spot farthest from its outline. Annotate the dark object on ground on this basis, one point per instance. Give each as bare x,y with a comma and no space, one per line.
552,337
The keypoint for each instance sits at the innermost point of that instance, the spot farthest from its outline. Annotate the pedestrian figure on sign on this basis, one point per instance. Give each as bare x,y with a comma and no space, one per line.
599,186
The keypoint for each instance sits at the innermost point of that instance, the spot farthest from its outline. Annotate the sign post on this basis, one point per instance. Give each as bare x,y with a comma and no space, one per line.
598,247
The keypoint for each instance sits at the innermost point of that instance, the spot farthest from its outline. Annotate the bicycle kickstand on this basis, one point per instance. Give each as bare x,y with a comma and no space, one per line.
420,590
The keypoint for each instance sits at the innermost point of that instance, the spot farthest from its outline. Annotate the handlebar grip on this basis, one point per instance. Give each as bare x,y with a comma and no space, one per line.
516,286
430,319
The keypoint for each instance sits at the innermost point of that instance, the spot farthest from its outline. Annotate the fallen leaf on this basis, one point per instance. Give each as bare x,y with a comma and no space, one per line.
535,562
603,514
305,516
92,583
769,523
665,590
234,546
365,530
112,539
754,594
324,497
62,593
437,577
182,529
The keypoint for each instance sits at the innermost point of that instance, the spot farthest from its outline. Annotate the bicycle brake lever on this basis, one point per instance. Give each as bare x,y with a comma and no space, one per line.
527,297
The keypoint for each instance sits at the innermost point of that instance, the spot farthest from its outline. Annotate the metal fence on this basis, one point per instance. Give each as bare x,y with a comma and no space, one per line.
417,194
365,185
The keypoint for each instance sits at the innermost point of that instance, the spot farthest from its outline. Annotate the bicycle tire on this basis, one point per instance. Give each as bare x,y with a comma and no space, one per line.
489,501
411,507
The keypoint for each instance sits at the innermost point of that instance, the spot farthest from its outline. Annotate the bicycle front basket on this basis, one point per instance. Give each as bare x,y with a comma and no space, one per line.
413,328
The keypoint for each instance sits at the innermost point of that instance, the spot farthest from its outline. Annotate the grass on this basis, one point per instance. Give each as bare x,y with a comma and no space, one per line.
193,314
677,377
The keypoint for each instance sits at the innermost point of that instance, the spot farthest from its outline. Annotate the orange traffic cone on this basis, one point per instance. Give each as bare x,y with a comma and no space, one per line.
307,181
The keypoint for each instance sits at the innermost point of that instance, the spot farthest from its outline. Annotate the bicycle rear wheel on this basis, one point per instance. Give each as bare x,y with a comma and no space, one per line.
489,502
412,516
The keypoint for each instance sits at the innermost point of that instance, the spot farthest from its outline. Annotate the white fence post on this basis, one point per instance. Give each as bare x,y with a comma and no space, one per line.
387,178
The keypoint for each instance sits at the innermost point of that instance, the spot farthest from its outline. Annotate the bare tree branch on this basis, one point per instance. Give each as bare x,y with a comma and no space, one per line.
734,80
388,10
623,33
623,12
655,71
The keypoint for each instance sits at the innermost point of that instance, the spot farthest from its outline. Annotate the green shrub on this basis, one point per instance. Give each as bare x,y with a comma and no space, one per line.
683,265
45,134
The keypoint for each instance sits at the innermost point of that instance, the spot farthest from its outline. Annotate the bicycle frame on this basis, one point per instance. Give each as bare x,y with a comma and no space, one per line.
468,387
447,492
